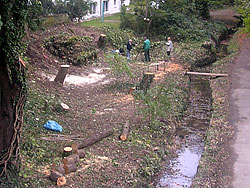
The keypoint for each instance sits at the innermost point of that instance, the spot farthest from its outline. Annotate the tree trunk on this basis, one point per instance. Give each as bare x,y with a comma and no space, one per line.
6,107
90,141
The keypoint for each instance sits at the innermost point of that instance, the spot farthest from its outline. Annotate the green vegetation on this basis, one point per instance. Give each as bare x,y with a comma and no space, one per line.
110,21
76,50
74,8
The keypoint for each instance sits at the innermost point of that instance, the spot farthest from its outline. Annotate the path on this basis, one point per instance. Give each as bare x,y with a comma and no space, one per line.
240,117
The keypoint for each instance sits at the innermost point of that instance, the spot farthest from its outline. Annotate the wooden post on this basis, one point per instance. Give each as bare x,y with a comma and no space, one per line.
61,74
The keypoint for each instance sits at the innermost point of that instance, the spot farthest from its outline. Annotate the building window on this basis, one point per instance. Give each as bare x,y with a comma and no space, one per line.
114,2
106,5
92,8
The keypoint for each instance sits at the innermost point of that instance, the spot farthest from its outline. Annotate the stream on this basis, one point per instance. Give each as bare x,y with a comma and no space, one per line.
182,169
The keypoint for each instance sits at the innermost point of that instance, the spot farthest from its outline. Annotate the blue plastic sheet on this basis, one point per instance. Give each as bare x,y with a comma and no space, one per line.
53,126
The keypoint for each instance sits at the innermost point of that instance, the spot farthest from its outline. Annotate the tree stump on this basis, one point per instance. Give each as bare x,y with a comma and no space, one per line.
101,41
58,178
146,81
61,74
125,131
92,140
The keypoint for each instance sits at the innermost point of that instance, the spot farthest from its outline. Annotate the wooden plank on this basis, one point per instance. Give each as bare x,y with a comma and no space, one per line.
207,74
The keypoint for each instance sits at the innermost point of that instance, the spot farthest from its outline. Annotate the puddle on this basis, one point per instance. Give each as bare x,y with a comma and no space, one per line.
182,170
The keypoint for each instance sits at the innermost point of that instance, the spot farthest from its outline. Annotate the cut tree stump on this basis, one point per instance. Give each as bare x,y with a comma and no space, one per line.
146,81
125,131
92,140
74,158
101,41
61,74
58,178
70,168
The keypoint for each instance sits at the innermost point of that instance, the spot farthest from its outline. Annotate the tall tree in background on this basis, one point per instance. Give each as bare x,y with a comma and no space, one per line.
15,15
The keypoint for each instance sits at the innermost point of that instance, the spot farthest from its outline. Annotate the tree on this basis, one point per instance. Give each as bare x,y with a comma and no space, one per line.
15,16
244,9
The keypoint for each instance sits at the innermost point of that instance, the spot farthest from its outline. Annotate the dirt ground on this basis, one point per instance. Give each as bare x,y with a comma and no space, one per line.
98,101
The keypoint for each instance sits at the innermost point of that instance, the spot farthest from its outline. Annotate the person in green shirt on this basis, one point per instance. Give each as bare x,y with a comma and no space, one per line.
146,47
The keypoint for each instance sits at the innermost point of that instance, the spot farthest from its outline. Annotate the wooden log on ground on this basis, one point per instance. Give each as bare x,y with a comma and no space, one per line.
92,140
61,74
70,168
74,158
125,131
67,151
80,153
58,178
59,168
207,74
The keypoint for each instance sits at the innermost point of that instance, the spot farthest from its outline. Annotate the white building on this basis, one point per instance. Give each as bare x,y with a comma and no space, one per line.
110,7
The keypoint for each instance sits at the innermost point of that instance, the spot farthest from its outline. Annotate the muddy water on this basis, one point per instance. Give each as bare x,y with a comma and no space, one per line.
183,168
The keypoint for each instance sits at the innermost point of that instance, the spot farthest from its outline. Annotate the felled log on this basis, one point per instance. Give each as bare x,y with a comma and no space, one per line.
61,74
92,140
58,178
67,151
70,168
59,168
125,131
207,74
80,153
72,159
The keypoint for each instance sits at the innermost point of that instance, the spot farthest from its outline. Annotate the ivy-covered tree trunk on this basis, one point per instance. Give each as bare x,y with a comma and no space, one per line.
6,106
14,16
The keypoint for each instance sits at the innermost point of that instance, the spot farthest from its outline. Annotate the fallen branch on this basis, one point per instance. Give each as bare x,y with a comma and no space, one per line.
92,140
207,74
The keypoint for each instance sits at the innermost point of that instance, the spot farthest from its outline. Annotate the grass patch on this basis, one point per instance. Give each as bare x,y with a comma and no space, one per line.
112,21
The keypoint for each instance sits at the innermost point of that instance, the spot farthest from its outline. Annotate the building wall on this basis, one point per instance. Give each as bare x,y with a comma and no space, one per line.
111,7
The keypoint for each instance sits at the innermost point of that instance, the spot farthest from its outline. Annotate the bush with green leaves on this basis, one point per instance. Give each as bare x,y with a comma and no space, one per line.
118,64
164,102
75,49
